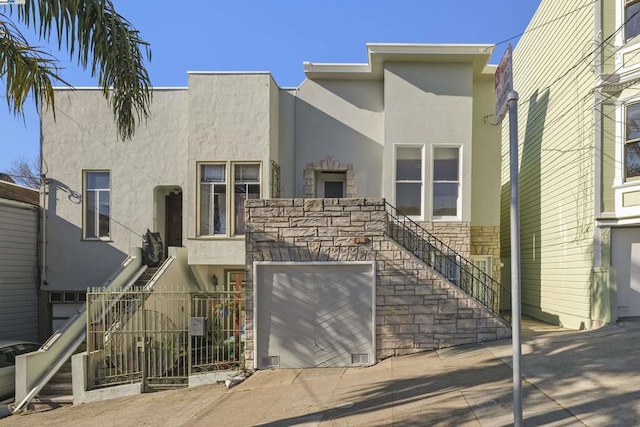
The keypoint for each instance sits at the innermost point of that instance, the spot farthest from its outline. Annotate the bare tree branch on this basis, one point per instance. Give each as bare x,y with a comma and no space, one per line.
25,172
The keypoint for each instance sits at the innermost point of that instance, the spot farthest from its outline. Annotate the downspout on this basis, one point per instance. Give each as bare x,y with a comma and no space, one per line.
295,142
597,272
597,126
42,213
44,192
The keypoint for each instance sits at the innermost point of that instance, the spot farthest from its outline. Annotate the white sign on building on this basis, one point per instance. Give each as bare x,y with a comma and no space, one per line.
504,84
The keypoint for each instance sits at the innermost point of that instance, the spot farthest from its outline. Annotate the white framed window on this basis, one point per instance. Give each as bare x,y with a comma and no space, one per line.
247,186
213,199
97,205
632,142
445,199
222,195
409,179
631,19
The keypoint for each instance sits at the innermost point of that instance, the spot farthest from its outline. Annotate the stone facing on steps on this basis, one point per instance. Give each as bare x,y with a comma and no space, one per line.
416,308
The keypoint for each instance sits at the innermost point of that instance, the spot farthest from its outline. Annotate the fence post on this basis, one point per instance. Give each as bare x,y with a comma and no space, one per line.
144,340
189,339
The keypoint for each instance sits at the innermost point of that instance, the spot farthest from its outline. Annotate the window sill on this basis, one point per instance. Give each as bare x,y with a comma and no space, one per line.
238,237
627,184
96,239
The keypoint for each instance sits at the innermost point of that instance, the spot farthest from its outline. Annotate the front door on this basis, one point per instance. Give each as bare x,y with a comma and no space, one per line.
331,185
173,219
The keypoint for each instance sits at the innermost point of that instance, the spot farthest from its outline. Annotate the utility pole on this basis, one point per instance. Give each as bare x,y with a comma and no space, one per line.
507,100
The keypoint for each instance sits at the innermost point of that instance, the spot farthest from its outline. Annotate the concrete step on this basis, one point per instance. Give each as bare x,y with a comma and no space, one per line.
57,389
62,377
144,278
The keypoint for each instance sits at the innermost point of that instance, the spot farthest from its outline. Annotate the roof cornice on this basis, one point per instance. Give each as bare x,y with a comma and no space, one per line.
379,53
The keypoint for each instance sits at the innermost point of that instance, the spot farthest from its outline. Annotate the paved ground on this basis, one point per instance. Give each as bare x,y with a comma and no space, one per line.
572,378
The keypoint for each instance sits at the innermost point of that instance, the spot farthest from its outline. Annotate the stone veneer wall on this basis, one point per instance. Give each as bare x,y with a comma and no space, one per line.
485,240
416,309
456,235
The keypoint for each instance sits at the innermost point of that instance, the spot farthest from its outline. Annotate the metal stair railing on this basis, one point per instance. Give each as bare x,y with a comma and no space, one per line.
121,311
449,263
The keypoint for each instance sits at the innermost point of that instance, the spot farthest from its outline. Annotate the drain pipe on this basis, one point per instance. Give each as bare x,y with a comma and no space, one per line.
44,192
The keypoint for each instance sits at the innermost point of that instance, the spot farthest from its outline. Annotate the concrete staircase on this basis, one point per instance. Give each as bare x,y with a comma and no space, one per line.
144,278
59,390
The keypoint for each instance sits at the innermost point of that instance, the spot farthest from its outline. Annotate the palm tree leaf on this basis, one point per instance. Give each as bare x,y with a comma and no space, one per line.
101,40
26,69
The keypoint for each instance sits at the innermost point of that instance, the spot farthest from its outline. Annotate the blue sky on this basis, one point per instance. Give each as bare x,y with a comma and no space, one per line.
277,36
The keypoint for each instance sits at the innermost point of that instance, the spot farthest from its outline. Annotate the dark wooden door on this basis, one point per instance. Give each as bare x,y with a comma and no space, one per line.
174,219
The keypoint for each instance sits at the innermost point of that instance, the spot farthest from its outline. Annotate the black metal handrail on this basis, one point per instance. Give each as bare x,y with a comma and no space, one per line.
449,263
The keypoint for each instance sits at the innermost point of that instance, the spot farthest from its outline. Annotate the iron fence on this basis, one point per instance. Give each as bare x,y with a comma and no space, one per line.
162,337
449,263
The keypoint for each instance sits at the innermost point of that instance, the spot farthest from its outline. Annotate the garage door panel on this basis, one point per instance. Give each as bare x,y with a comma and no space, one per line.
315,314
285,333
344,305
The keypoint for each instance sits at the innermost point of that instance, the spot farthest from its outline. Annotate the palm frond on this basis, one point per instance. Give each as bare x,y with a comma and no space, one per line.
25,69
100,39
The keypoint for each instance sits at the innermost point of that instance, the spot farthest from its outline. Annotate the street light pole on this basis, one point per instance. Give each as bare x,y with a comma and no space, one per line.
515,258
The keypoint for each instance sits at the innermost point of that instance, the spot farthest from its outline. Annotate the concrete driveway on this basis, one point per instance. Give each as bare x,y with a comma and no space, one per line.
572,378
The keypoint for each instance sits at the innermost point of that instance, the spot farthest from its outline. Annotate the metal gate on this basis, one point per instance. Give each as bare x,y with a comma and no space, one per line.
145,336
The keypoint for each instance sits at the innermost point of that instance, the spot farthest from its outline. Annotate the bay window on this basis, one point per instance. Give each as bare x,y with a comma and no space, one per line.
632,143
631,19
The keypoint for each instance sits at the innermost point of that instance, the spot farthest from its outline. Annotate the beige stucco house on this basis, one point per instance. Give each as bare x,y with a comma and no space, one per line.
411,127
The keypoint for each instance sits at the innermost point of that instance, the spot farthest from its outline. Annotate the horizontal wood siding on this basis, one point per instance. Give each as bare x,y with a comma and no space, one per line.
18,273
553,73
608,12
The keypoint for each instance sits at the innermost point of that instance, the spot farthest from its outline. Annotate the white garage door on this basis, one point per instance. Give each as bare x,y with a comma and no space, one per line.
314,314
625,257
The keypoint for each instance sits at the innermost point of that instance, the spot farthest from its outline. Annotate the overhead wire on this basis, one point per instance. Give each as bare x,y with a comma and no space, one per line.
560,115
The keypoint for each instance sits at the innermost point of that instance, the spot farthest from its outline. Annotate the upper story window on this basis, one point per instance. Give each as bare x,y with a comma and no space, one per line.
222,196
213,200
446,182
631,19
409,178
96,205
247,186
632,143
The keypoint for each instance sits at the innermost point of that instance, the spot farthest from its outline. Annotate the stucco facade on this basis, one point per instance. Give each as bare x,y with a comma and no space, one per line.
230,136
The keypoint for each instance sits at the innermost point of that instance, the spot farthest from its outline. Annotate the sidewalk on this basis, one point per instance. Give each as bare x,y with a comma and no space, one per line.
571,379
